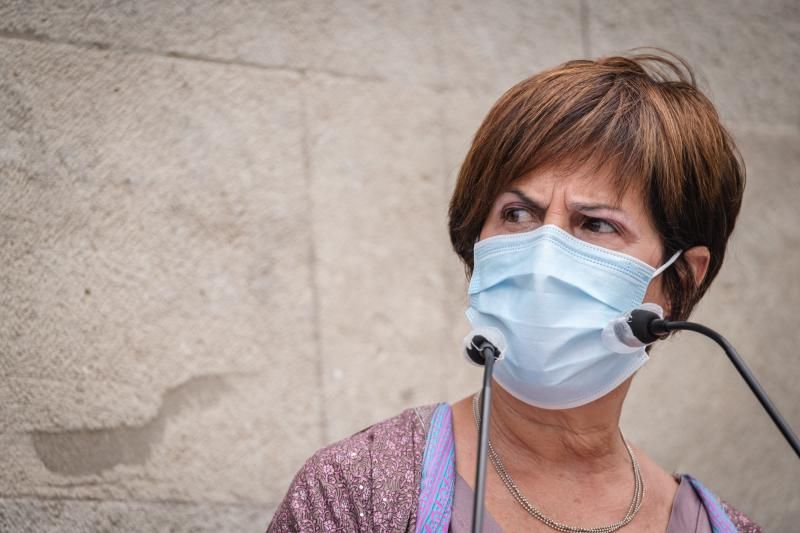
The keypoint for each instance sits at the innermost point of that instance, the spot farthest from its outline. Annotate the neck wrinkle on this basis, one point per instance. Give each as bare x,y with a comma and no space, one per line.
584,440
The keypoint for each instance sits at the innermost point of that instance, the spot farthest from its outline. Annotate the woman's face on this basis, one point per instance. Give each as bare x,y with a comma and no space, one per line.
585,204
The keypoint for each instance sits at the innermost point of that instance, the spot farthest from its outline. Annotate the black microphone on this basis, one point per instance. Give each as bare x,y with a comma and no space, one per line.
649,327
482,347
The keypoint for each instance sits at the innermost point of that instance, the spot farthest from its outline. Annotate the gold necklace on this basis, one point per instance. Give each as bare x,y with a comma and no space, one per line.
508,481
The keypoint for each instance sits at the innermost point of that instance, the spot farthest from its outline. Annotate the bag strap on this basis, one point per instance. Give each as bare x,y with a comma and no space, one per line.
438,473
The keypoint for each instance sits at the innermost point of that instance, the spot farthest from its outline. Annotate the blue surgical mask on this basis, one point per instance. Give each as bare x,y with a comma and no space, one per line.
552,295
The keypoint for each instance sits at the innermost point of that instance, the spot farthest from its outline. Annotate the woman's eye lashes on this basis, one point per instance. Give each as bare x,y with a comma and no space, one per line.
599,225
523,216
516,214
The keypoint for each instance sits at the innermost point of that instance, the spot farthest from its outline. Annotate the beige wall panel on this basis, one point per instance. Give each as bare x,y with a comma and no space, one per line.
381,241
215,439
153,264
371,39
68,516
489,46
744,51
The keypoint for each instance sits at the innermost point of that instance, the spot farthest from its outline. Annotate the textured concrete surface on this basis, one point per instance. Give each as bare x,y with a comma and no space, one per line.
745,51
223,239
378,257
25,515
490,45
152,257
361,39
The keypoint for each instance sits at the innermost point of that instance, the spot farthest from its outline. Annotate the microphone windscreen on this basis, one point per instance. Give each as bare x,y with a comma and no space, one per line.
475,341
618,336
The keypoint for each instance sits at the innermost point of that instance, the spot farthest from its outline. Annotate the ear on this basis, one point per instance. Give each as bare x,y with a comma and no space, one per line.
698,258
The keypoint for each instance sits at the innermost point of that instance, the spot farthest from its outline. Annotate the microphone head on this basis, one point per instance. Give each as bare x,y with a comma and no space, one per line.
629,333
479,339
641,321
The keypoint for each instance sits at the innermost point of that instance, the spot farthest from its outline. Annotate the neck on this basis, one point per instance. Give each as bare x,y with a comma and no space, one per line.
583,439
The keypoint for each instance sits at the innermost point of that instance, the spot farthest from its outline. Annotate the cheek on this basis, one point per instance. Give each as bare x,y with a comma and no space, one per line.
490,225
655,294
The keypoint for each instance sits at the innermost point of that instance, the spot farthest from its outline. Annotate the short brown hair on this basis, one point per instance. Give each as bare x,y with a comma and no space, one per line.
640,114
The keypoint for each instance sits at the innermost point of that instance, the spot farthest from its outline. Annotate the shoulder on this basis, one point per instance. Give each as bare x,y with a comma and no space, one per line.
661,490
725,513
356,483
721,513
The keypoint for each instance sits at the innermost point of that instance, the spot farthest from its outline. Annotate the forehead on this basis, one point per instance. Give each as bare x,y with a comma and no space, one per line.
586,183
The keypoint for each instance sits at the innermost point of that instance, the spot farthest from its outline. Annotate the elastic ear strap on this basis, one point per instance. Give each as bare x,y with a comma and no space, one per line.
669,262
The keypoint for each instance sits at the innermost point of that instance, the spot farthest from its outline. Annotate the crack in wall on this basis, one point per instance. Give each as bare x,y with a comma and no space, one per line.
313,280
32,36
81,452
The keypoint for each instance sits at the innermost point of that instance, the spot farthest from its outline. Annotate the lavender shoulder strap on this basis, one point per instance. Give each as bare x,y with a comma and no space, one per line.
438,474
720,521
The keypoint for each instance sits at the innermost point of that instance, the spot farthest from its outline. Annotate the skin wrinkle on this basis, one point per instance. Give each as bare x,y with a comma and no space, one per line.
576,439
579,206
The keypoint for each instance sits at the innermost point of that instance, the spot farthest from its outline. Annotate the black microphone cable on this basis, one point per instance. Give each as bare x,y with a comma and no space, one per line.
648,327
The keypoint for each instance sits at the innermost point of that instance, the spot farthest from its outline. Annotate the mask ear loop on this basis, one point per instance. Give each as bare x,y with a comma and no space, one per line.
666,265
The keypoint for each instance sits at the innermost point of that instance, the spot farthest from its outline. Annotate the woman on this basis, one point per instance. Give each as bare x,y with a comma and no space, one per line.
589,189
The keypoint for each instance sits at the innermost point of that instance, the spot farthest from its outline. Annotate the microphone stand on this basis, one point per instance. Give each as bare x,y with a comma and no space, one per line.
489,353
660,328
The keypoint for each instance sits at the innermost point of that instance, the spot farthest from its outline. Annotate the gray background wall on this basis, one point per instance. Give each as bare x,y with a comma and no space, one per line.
223,244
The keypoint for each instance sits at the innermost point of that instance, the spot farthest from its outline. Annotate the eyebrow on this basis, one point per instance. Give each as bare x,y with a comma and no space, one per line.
527,200
574,206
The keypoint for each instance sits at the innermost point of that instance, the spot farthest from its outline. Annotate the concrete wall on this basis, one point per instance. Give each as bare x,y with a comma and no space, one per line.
223,244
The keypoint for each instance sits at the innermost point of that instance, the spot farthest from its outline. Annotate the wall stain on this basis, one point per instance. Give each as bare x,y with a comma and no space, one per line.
81,452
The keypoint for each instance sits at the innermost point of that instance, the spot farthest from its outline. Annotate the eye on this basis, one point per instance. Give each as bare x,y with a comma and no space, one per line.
517,216
598,225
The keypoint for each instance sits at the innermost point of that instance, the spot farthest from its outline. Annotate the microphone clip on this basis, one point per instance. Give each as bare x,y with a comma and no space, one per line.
481,349
483,343
647,326
631,331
